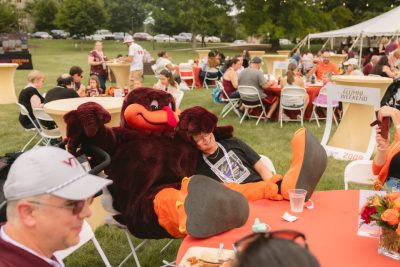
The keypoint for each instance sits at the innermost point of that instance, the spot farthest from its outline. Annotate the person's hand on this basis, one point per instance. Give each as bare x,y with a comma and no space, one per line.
386,111
382,144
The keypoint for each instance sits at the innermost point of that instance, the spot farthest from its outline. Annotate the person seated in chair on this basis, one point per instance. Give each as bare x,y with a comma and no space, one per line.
386,163
211,64
252,76
227,160
63,90
48,198
30,98
230,77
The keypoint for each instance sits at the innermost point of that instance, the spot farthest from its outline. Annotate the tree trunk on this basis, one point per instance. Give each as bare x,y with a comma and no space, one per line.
193,41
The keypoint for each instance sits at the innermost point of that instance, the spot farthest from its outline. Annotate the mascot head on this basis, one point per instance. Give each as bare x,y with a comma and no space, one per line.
198,120
149,109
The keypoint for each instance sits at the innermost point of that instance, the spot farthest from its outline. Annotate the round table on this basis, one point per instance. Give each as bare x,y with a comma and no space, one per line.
58,108
270,59
330,229
7,89
256,54
337,58
203,53
121,72
284,52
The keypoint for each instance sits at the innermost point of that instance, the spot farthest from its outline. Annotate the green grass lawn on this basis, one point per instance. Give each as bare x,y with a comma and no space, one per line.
55,57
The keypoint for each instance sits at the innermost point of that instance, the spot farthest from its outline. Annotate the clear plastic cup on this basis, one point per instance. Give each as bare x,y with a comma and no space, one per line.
297,198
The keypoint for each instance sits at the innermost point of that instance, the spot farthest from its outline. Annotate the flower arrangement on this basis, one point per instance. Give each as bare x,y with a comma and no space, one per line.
385,212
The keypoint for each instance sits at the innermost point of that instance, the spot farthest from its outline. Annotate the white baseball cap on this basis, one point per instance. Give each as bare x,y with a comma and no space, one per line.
50,170
351,61
128,39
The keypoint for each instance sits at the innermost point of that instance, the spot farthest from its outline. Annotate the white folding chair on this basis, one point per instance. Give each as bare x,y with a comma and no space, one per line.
46,134
292,98
154,69
278,68
186,73
35,129
178,98
212,71
85,235
268,163
359,172
251,99
230,103
321,102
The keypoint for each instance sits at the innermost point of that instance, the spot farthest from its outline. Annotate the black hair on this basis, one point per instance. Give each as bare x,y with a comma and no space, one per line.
64,80
275,252
75,70
230,62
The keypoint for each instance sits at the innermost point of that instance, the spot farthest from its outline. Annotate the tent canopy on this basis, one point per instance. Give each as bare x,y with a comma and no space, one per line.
384,24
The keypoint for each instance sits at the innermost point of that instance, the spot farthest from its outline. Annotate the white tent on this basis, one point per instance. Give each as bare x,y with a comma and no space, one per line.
385,24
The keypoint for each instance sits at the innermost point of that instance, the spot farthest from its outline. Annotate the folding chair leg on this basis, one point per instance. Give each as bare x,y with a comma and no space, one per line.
167,245
281,115
101,252
30,141
133,250
314,113
302,117
334,116
246,111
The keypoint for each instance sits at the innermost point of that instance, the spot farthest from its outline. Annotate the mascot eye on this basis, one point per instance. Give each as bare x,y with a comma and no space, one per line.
154,105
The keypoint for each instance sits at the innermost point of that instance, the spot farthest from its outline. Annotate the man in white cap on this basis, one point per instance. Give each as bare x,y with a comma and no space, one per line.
351,67
135,57
48,195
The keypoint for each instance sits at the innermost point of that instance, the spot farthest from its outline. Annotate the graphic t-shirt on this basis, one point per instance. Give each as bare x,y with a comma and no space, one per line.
241,160
136,51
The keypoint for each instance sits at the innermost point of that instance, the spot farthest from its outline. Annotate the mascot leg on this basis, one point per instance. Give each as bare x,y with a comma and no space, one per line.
308,164
258,190
202,208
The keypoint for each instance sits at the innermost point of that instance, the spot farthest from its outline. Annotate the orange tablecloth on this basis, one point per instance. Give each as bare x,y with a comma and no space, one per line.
330,229
196,72
312,92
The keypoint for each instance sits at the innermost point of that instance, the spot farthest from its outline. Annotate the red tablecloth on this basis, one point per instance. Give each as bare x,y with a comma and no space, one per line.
196,72
330,229
312,92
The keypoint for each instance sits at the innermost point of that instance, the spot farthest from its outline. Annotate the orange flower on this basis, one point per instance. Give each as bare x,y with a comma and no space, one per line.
393,196
396,204
391,216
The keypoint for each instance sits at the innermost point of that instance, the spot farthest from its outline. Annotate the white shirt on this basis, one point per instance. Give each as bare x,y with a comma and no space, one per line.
8,239
161,64
170,89
137,52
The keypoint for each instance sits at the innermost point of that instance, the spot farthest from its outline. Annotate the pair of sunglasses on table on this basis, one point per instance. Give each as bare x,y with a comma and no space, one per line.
295,236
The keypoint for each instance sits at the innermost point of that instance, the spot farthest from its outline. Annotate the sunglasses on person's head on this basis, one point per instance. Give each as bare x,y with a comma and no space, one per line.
201,138
76,206
283,234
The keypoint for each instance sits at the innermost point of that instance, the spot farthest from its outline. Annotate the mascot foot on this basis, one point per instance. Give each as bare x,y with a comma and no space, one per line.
212,208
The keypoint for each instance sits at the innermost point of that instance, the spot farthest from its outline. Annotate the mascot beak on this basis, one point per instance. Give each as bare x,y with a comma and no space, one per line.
172,118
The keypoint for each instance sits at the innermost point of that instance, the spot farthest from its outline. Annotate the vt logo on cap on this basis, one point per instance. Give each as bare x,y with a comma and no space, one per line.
71,161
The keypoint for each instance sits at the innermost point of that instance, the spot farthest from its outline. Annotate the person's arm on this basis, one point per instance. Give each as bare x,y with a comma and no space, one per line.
170,67
81,91
92,62
262,170
36,102
389,73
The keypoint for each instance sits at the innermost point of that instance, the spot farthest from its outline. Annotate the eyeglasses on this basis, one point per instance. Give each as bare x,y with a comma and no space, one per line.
201,138
75,206
283,234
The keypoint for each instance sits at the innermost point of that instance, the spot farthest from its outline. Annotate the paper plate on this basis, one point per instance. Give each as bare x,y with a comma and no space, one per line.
205,253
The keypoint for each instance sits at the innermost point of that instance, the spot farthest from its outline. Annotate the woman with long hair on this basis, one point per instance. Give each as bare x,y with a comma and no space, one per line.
166,82
382,68
93,89
230,78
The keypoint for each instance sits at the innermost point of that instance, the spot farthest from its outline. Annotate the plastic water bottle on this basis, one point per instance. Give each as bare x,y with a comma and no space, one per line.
313,79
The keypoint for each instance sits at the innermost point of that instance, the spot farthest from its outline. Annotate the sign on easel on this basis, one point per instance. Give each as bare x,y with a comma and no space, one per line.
353,139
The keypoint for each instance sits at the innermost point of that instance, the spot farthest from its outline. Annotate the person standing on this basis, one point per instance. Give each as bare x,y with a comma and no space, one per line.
135,57
97,62
48,196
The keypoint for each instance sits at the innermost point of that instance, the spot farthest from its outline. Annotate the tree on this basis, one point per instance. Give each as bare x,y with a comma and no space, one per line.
8,18
197,17
82,17
44,13
125,15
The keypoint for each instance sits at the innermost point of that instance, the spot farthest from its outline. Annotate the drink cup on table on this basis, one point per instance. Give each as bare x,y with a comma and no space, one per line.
297,198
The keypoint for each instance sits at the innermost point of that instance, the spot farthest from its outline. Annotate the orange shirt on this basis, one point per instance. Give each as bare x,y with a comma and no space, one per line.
322,68
383,171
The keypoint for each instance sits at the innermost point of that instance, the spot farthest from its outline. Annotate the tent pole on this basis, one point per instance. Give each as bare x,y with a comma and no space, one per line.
322,48
361,47
308,42
354,43
331,43
300,44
